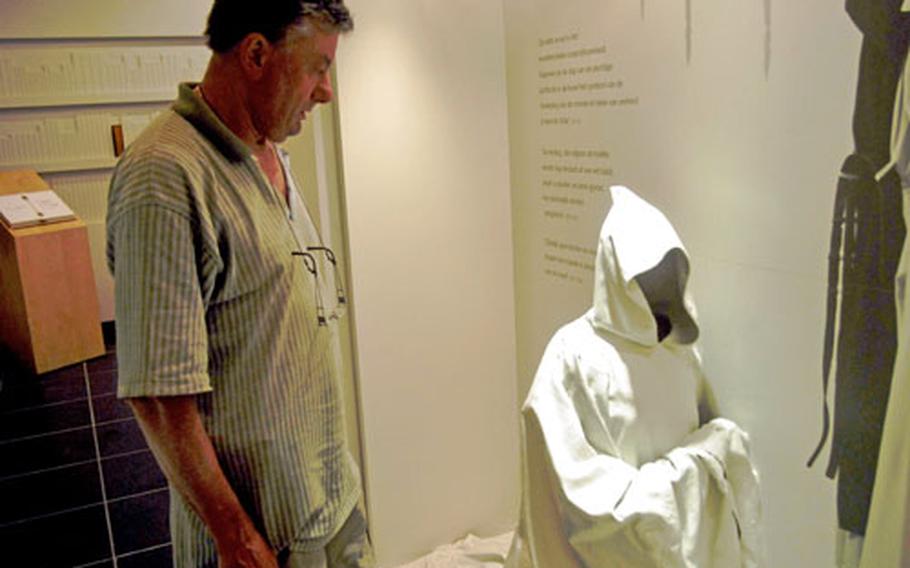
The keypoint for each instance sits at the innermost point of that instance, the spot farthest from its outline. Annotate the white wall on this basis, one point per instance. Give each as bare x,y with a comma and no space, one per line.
740,145
422,100
102,18
95,23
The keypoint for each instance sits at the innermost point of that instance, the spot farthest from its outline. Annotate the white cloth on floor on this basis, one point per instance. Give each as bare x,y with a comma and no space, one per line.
615,468
471,552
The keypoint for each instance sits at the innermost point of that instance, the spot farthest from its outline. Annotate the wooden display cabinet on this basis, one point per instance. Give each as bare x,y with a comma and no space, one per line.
49,315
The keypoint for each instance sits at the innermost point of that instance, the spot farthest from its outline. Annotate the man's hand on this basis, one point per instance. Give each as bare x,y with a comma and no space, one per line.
175,434
246,551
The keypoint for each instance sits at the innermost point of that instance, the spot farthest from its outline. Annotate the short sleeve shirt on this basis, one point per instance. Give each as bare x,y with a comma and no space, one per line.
211,301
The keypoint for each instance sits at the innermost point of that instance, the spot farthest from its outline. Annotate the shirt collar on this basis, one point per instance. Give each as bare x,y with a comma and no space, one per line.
191,107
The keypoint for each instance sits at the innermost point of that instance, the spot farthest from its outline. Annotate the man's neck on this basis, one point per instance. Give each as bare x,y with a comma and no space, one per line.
271,166
224,94
228,101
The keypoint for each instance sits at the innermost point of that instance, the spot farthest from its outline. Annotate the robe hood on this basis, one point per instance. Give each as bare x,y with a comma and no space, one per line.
637,239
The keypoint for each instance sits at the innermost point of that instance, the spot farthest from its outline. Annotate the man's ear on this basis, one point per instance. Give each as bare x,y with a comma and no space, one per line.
254,52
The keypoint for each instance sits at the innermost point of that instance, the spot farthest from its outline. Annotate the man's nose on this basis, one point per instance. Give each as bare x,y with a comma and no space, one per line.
323,91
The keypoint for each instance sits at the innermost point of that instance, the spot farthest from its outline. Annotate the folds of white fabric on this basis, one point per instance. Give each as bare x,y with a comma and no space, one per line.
696,506
616,471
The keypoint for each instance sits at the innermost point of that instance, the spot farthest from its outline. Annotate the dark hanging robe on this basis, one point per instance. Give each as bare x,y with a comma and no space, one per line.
866,241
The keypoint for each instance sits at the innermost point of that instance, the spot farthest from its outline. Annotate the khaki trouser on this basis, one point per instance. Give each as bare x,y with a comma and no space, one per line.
350,548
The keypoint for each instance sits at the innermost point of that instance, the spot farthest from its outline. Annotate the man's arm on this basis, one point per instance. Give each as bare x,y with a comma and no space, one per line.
174,432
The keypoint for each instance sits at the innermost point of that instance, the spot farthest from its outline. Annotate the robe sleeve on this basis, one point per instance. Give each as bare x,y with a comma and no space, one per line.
707,402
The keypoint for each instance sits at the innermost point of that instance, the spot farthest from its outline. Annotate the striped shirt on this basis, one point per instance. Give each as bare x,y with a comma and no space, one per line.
211,302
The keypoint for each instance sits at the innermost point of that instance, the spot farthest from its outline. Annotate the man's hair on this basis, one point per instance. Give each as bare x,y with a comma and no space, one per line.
232,20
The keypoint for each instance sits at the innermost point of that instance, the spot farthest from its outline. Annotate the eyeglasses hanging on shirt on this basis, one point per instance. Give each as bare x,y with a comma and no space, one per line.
312,266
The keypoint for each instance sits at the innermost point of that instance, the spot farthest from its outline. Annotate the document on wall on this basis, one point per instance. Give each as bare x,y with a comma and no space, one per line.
33,208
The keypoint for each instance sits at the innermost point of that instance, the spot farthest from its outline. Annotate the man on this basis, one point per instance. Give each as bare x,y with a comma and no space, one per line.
224,347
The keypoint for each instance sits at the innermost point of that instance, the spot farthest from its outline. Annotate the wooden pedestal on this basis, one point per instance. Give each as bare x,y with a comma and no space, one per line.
49,314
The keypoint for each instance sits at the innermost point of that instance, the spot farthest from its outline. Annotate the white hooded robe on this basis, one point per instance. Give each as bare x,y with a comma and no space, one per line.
616,471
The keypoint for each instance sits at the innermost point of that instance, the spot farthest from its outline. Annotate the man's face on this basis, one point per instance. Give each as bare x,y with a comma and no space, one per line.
296,78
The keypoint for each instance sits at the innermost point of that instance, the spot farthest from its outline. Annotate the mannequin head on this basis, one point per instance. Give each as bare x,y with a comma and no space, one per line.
664,287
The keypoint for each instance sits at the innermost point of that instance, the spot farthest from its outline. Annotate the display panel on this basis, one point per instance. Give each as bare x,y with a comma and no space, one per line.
733,118
55,19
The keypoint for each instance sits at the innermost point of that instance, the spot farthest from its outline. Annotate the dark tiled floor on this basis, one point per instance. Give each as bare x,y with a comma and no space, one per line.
46,451
119,437
140,536
131,473
47,492
153,558
67,539
78,486
38,420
